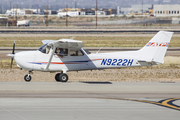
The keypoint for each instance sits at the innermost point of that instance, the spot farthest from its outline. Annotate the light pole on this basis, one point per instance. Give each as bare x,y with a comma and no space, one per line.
96,14
46,17
66,15
142,7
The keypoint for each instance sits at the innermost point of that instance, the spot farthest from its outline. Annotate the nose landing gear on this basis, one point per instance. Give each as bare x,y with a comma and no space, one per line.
27,77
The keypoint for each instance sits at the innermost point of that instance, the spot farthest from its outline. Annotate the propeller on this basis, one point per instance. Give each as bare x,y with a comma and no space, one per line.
13,54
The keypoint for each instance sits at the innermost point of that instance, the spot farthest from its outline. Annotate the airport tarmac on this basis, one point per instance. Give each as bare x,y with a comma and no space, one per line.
89,100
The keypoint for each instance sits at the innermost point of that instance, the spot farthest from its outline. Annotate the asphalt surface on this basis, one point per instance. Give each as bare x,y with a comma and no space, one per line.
89,100
82,109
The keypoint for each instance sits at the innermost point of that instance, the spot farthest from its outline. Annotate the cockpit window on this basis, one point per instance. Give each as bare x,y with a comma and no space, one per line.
87,52
45,49
74,52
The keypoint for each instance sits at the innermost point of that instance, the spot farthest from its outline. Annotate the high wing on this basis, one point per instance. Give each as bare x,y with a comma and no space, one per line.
47,41
62,43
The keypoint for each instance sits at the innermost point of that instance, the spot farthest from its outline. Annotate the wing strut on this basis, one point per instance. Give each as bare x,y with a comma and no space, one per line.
50,59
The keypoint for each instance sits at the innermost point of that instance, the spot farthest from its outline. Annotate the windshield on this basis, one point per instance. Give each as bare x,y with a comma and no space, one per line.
44,49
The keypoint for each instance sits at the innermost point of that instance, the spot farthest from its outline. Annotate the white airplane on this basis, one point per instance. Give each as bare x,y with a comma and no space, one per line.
68,55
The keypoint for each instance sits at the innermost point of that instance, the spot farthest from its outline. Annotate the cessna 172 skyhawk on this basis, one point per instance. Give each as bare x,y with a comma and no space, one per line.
68,55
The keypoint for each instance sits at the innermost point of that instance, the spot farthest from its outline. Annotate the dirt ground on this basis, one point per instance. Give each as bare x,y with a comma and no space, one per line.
110,75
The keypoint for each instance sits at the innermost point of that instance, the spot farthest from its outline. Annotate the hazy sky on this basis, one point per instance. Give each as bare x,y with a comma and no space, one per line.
86,2
59,4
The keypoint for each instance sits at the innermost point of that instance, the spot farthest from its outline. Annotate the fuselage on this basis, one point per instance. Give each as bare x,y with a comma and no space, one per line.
37,61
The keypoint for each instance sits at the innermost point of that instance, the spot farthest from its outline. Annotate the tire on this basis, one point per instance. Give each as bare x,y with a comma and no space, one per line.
63,77
57,77
27,79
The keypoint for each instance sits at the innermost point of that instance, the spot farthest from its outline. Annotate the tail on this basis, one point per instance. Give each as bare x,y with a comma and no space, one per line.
155,49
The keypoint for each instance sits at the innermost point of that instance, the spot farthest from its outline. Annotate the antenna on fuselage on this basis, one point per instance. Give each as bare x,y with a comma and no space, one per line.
72,38
99,50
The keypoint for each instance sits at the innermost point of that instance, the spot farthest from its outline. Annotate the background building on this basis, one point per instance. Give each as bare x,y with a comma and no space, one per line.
3,21
135,9
167,10
15,11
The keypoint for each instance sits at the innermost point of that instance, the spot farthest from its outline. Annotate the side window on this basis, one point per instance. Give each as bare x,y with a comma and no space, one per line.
61,51
76,52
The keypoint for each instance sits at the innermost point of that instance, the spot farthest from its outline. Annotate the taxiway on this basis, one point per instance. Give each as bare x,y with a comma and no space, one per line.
89,100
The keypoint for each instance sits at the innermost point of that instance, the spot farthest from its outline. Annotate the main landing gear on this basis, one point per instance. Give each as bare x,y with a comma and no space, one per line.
61,77
27,77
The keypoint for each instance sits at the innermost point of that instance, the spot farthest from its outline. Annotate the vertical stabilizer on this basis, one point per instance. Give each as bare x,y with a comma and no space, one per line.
155,49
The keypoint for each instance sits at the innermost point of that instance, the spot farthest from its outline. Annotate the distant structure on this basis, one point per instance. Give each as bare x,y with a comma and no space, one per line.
71,12
3,21
12,12
117,10
136,10
87,11
166,10
15,11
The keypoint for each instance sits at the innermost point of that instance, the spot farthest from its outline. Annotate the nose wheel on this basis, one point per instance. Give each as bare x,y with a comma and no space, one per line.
27,77
61,77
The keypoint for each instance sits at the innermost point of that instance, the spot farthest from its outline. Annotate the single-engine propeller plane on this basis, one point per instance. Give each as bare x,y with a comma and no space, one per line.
68,55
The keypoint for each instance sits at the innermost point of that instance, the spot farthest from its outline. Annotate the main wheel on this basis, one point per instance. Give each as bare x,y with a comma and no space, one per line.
57,77
27,78
63,77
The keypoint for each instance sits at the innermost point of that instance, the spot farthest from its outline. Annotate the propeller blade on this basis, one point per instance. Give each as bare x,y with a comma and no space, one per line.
11,62
13,54
13,48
